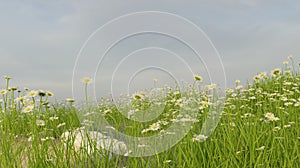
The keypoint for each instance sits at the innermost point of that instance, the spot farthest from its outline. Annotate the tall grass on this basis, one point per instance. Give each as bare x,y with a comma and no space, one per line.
259,126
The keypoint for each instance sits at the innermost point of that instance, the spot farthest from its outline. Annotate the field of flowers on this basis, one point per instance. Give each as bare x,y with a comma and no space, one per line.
260,125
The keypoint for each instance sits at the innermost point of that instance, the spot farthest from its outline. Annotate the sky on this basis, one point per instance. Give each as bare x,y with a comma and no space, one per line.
41,44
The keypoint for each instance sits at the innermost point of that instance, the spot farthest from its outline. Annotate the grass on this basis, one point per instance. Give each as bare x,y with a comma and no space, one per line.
259,126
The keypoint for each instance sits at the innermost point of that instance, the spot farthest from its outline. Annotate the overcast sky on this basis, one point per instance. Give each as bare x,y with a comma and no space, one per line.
40,40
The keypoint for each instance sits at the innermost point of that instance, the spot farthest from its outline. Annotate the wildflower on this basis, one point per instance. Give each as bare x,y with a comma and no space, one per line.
287,126
28,109
41,93
297,104
290,57
40,122
3,91
154,127
275,72
260,148
86,80
285,62
50,94
32,93
277,128
198,78
211,87
53,118
60,125
137,96
271,117
145,131
70,100
229,91
262,75
20,99
199,138
30,139
7,77
237,81
168,161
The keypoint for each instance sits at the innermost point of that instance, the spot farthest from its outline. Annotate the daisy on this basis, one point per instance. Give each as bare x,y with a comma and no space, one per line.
260,148
198,78
86,80
28,109
32,93
70,100
40,122
3,91
199,138
154,127
137,96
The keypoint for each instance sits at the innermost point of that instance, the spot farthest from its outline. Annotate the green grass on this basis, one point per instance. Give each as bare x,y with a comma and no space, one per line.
260,127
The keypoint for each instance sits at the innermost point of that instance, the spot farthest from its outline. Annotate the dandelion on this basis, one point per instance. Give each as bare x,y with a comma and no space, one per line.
86,80
199,138
198,78
32,93
154,127
40,123
3,91
260,148
28,109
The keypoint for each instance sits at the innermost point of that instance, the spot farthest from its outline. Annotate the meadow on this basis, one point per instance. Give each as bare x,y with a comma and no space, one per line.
259,127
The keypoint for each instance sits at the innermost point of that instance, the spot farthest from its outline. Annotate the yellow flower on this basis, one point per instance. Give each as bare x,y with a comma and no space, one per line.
198,78
285,62
290,57
86,80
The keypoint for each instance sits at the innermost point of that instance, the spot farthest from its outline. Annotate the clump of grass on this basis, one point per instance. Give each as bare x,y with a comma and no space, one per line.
259,126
